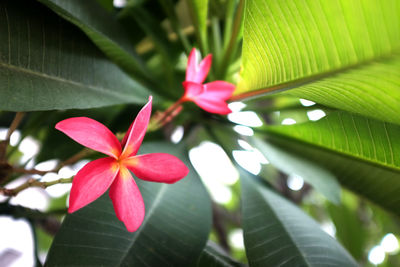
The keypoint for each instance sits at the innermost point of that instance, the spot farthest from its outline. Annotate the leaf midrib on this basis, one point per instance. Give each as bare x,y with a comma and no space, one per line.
62,80
327,149
310,79
161,192
284,227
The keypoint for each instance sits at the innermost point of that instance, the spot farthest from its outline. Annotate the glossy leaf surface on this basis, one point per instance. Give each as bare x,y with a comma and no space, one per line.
173,233
360,152
46,63
343,54
277,233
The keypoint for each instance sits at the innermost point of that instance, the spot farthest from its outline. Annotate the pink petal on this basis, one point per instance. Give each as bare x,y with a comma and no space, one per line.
218,90
134,137
127,200
157,167
91,182
197,73
192,90
92,134
213,105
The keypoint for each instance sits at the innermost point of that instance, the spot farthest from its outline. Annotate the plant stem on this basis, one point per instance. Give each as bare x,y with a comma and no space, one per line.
33,183
160,119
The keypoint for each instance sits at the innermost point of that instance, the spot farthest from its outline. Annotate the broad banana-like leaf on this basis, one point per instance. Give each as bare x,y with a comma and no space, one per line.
343,53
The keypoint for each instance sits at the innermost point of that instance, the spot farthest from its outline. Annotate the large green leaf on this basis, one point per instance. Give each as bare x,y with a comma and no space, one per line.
104,30
277,233
46,63
360,152
173,233
321,179
341,53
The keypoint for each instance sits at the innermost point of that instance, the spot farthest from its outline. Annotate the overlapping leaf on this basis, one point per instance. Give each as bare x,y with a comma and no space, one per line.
173,233
360,152
104,30
344,54
321,179
277,233
213,256
46,63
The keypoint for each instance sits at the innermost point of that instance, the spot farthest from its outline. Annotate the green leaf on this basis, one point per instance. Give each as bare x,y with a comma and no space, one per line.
344,54
277,233
174,231
45,63
199,13
349,229
104,30
214,256
360,152
321,179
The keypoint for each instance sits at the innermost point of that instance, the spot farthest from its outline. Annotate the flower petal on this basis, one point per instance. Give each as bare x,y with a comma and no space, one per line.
192,90
218,90
91,182
127,200
197,73
157,167
134,137
92,134
213,105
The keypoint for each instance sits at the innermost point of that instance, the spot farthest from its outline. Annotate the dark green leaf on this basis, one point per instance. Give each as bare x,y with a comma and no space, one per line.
277,233
104,30
174,231
45,63
214,256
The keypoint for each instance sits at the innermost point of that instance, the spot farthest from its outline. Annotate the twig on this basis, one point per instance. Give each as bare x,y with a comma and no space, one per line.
45,220
33,183
68,161
219,227
14,124
81,154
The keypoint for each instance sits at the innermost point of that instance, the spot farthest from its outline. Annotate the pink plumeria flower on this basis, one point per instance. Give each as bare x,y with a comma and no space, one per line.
112,172
211,96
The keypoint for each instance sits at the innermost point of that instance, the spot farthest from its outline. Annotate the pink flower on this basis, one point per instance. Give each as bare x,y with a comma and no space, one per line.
210,96
113,172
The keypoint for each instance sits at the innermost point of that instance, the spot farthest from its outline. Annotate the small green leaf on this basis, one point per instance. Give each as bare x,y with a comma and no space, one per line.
277,233
173,233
